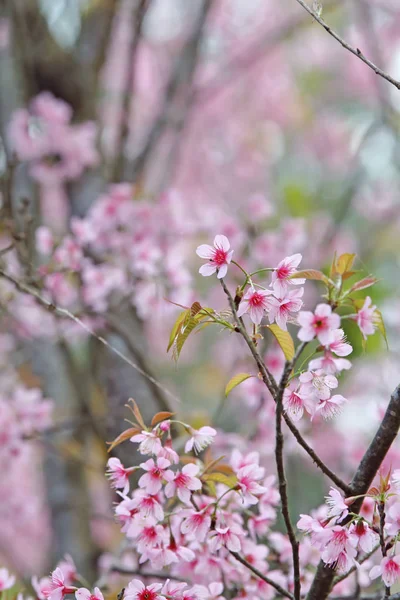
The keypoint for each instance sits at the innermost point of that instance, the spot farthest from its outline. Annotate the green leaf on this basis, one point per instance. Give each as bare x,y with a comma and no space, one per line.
236,380
228,480
284,339
378,321
177,326
311,274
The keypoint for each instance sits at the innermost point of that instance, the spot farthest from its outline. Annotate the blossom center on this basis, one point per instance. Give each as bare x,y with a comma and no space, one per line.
219,257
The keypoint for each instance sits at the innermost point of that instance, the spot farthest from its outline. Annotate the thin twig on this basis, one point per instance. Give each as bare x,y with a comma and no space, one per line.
282,477
271,582
356,51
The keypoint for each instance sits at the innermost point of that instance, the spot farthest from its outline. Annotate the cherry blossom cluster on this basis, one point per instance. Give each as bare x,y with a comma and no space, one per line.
345,539
44,137
189,516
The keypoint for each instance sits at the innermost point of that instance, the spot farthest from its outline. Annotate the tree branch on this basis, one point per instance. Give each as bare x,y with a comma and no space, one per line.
356,51
361,482
270,383
271,582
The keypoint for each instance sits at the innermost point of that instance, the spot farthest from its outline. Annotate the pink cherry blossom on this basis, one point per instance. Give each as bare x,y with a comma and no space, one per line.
255,302
149,442
365,318
338,345
57,588
392,522
340,543
6,580
183,483
201,438
294,403
363,536
281,310
136,590
85,594
197,524
337,505
248,481
118,474
330,407
224,537
281,276
388,569
156,472
318,384
328,363
320,324
219,257
146,505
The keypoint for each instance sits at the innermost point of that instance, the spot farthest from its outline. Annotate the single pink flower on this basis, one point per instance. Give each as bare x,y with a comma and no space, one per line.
320,324
156,472
255,302
337,505
281,276
330,407
149,442
197,524
57,589
218,257
224,537
6,580
365,318
85,594
281,310
338,345
201,438
248,481
388,569
118,474
294,403
363,536
183,483
136,590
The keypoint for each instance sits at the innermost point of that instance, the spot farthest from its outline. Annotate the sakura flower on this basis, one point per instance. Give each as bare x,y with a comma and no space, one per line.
156,472
388,569
183,483
339,543
365,318
281,276
57,589
85,594
338,345
363,536
281,310
173,589
396,479
329,363
320,324
218,256
392,521
136,590
201,438
254,302
6,580
197,524
248,478
294,403
318,384
337,504
330,407
224,537
213,592
149,442
168,452
118,474
146,505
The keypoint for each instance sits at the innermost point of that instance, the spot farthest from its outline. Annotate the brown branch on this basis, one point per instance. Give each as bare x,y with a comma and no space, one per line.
356,51
282,477
361,482
270,383
271,582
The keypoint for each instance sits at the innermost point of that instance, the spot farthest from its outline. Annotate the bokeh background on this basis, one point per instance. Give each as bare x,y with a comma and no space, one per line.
241,117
